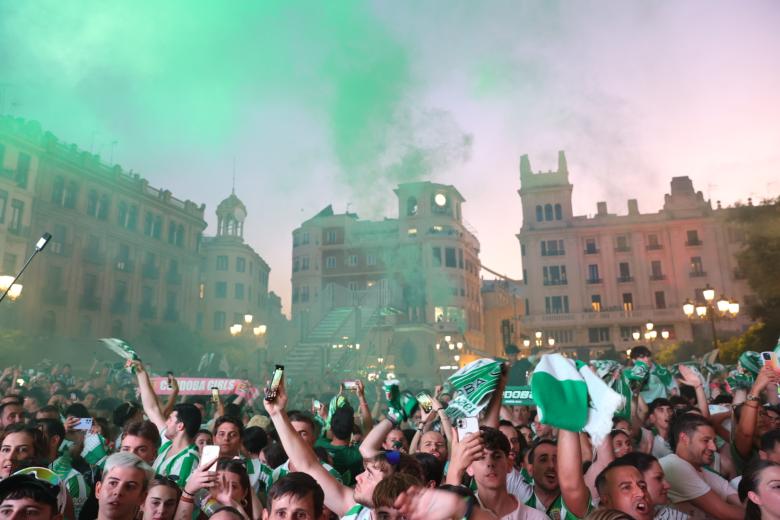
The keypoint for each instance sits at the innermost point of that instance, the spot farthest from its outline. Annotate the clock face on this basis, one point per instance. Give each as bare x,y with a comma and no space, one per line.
440,199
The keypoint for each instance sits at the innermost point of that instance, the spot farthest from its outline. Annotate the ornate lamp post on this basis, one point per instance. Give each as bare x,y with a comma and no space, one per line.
258,333
711,310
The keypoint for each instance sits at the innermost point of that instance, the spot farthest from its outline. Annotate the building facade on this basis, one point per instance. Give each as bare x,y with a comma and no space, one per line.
591,282
397,285
122,253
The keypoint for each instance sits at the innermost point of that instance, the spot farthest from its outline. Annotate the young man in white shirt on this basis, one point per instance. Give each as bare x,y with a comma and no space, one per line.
695,489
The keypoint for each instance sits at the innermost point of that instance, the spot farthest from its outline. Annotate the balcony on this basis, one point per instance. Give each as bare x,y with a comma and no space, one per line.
657,277
171,315
173,277
625,279
54,296
89,302
592,281
124,265
555,252
150,271
592,250
93,256
697,274
147,312
654,247
555,282
622,249
120,307
694,242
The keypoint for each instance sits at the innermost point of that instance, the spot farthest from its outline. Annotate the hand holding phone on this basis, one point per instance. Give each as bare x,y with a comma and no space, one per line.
425,401
85,423
170,380
209,456
214,394
466,426
350,385
770,358
273,388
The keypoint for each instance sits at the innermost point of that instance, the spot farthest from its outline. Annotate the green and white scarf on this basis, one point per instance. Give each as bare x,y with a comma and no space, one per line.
474,385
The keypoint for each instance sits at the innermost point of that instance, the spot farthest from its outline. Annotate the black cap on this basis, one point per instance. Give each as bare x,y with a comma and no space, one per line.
17,482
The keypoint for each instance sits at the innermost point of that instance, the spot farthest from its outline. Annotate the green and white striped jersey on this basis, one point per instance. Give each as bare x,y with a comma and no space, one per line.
180,465
260,475
74,481
557,510
358,512
284,469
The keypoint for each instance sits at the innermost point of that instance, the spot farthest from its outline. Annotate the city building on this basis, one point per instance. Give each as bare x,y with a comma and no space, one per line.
234,278
122,253
596,282
502,303
391,290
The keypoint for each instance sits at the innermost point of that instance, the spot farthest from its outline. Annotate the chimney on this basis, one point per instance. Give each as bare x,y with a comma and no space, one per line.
563,167
601,209
633,207
525,166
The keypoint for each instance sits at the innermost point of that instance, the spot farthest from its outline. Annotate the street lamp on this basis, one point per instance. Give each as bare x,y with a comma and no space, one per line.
711,310
14,289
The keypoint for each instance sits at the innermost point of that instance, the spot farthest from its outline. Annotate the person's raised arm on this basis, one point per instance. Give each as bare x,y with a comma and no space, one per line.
493,413
574,492
367,422
604,455
172,399
743,438
338,498
148,398
689,378
372,444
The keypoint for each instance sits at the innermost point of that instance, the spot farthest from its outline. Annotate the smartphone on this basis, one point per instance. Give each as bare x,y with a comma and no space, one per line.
425,401
770,358
316,405
20,382
214,394
350,385
466,426
85,423
209,456
170,380
270,392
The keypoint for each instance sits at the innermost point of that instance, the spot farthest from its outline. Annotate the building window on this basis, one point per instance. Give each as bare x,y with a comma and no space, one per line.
628,302
627,332
240,264
330,237
305,237
624,272
660,300
411,206
220,289
595,302
460,258
304,263
552,248
598,334
522,249
17,211
693,238
304,294
352,260
22,170
222,263
239,291
148,224
697,268
3,204
652,242
58,191
103,206
554,275
539,214
449,257
370,259
556,304
558,212
71,194
656,271
92,203
330,262
548,212
157,227
593,273
412,232
353,286
219,320
296,265
591,248
201,291
621,243
436,257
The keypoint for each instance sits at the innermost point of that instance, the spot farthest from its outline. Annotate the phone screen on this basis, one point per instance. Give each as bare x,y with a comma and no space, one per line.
425,401
215,394
270,393
770,358
350,385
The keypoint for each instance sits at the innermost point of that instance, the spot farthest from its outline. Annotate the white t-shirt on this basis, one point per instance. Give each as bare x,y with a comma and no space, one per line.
523,512
518,487
688,483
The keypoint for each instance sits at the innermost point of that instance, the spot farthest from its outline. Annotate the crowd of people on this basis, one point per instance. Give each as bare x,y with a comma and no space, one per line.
104,445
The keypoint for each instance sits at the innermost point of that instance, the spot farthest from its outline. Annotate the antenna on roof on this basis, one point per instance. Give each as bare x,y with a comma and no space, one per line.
233,190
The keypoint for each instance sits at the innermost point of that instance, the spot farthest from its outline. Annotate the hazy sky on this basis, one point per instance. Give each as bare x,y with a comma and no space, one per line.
336,102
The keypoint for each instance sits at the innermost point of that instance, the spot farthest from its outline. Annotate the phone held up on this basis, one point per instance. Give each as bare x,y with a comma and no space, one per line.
425,401
273,388
84,423
170,380
770,358
350,385
214,394
466,426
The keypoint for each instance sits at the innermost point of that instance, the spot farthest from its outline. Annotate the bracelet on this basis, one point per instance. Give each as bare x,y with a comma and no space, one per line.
187,493
186,499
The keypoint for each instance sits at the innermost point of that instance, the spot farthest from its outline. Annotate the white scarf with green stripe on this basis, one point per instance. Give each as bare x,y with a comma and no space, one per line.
474,384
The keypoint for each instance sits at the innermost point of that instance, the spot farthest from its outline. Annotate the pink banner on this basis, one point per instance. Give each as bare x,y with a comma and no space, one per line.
196,385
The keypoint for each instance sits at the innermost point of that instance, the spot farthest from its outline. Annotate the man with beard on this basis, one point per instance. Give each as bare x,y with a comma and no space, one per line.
122,490
178,455
543,465
695,489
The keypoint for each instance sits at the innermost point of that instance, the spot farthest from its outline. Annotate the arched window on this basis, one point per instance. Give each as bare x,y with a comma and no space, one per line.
548,212
411,206
558,212
539,214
